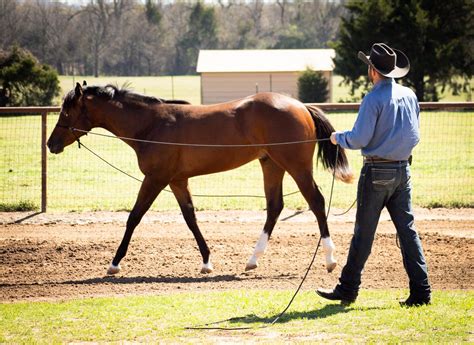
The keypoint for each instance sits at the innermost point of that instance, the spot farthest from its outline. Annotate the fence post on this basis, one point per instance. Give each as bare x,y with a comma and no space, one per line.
44,165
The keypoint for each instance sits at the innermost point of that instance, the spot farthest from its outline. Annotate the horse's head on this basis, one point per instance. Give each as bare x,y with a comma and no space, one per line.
73,116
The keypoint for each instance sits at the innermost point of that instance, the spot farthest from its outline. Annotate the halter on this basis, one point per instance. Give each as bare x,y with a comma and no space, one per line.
72,128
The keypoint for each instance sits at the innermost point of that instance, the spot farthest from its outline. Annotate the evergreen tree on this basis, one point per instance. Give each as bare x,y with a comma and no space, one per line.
152,12
24,81
202,34
312,87
436,35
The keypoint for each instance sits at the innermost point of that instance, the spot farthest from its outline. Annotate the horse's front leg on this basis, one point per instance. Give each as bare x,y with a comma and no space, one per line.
183,196
149,190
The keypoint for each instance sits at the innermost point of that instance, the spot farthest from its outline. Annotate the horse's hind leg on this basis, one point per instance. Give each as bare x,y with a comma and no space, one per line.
315,199
272,178
149,190
183,196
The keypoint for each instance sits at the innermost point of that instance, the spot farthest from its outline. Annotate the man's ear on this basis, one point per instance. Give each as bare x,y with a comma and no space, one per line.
78,90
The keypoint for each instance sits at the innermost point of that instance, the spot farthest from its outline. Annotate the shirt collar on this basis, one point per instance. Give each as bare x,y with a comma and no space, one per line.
383,82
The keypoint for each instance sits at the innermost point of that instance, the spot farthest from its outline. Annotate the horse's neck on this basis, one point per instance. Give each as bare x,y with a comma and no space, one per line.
125,124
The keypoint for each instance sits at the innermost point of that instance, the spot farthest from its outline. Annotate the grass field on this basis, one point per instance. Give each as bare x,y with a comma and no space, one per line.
443,172
375,318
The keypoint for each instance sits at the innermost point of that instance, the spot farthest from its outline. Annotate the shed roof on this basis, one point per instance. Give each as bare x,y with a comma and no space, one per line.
265,60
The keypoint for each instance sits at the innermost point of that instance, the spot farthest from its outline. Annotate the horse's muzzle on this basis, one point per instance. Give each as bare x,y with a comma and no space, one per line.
55,146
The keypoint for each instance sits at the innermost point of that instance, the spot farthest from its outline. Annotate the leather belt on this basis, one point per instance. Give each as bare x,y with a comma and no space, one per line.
368,160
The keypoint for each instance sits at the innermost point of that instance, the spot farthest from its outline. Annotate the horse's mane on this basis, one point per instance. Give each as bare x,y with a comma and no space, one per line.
124,95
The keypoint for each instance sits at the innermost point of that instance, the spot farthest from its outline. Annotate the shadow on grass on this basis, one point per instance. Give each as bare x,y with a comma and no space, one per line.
322,313
256,322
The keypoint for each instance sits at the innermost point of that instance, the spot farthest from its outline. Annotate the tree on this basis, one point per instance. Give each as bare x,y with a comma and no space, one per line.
292,38
11,23
103,26
152,12
202,34
312,87
46,33
24,81
121,37
436,35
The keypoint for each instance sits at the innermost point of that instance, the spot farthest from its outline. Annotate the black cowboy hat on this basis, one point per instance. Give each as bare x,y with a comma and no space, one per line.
389,62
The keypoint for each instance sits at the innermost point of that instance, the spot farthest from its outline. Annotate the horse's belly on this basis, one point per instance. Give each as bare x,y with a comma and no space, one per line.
202,161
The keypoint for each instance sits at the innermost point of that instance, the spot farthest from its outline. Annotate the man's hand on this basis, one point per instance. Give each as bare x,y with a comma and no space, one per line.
333,138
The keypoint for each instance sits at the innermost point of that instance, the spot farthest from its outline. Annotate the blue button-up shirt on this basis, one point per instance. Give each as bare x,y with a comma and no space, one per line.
387,125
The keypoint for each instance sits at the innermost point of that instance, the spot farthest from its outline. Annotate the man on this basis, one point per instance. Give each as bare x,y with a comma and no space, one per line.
386,131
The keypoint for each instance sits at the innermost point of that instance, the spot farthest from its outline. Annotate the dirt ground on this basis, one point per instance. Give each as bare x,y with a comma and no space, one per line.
63,256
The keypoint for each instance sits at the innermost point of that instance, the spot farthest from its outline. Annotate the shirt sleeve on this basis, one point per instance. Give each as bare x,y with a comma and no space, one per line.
364,126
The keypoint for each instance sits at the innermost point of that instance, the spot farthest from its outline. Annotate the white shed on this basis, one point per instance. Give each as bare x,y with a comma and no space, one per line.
233,74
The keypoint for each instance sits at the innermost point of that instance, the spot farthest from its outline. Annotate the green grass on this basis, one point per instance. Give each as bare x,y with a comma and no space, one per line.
376,317
20,206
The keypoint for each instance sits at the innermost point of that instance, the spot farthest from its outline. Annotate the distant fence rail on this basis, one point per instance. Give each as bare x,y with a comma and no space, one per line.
24,141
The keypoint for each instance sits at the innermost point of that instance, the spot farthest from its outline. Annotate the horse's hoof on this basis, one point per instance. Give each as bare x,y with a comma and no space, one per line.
113,269
207,268
330,267
250,267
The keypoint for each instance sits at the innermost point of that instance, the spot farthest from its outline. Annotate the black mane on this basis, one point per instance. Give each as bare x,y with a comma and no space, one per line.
124,95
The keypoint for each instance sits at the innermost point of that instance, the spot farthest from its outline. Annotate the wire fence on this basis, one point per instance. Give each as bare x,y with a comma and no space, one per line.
442,172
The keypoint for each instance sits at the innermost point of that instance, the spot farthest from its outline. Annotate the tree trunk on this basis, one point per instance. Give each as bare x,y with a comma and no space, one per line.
96,61
419,88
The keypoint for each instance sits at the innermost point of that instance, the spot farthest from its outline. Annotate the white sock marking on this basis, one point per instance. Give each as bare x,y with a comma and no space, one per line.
329,249
260,248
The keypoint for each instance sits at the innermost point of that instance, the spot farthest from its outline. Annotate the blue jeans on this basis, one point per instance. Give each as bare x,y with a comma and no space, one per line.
384,185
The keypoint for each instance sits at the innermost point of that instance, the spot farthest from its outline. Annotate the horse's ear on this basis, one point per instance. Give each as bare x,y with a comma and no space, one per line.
84,83
78,90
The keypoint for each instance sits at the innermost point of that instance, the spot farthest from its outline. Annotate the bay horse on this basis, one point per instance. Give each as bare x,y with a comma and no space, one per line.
252,128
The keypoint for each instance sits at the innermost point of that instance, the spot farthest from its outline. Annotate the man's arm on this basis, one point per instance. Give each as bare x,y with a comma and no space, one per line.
363,129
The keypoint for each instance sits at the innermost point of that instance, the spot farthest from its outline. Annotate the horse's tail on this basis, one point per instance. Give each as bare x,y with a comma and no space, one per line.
326,150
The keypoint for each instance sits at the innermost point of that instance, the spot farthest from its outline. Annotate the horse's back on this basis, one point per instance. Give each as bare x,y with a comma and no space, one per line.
253,121
273,100
272,117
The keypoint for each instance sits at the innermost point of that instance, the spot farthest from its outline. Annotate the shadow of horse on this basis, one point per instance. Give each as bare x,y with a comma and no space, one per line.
153,280
135,280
